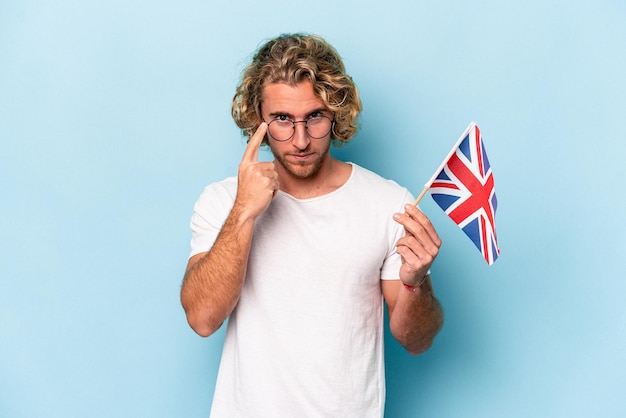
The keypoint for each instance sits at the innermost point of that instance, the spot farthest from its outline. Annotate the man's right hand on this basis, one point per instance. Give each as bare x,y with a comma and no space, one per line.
257,181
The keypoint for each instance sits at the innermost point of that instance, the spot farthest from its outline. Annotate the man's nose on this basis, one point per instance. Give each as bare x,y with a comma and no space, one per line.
300,138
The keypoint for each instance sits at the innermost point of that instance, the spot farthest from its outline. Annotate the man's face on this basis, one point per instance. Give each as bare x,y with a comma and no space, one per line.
301,156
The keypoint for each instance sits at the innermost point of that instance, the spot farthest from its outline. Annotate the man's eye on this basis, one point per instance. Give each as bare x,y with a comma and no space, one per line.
315,115
282,118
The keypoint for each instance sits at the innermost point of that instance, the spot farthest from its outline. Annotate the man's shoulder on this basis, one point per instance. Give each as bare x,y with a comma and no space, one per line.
376,190
222,190
229,183
372,179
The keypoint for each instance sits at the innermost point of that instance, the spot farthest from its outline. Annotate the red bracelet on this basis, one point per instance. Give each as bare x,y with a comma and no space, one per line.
412,288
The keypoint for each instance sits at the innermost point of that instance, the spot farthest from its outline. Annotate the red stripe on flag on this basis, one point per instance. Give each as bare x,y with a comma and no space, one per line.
483,237
479,194
479,151
445,185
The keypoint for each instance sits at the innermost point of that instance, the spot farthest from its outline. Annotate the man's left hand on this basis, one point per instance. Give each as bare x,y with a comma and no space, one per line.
419,247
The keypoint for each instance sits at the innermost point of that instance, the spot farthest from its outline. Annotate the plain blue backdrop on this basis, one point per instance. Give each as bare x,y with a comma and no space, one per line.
115,114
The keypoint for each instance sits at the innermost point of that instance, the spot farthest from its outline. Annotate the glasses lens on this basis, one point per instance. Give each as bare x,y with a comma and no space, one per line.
281,130
317,127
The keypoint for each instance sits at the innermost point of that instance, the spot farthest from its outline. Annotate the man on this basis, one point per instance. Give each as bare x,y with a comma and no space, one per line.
299,253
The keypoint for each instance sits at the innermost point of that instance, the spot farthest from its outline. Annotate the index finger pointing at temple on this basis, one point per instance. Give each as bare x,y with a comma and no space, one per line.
251,154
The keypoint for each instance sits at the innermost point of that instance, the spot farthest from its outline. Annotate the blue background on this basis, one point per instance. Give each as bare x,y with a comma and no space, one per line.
115,114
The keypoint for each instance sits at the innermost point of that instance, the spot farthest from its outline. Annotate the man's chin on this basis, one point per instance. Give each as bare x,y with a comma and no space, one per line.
302,171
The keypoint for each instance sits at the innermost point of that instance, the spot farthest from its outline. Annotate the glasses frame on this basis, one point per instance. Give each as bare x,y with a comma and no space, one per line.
306,128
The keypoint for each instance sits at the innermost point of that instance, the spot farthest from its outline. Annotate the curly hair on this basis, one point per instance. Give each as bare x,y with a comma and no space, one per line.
291,59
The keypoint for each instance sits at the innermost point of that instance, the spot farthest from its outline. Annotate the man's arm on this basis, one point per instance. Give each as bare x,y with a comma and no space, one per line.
415,315
213,280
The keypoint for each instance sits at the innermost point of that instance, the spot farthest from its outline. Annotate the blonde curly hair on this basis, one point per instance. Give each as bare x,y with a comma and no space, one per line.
291,59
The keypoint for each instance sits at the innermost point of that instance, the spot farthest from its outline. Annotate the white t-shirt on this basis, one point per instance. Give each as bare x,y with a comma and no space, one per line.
306,338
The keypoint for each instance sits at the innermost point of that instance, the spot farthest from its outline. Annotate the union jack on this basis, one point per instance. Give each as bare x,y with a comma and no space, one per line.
464,188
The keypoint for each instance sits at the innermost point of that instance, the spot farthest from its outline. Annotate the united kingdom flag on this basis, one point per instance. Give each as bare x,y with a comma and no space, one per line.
464,188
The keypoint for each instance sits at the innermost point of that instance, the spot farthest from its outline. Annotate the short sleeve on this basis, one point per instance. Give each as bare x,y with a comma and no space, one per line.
209,214
391,266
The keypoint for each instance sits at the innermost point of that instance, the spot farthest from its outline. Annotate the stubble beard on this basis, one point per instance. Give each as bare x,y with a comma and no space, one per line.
305,170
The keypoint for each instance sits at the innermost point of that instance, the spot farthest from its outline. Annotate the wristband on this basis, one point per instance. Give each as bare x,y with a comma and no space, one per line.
413,288
409,288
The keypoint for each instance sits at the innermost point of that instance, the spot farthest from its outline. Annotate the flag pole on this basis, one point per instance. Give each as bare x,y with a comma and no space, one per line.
421,195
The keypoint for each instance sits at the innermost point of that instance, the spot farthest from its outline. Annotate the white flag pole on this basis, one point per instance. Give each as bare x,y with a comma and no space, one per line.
452,151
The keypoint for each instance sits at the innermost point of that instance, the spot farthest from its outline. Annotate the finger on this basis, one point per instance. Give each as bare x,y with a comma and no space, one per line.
413,262
416,260
423,221
419,245
417,237
251,154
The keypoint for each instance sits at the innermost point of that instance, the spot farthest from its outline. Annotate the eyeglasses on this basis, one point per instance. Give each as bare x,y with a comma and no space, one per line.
317,126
